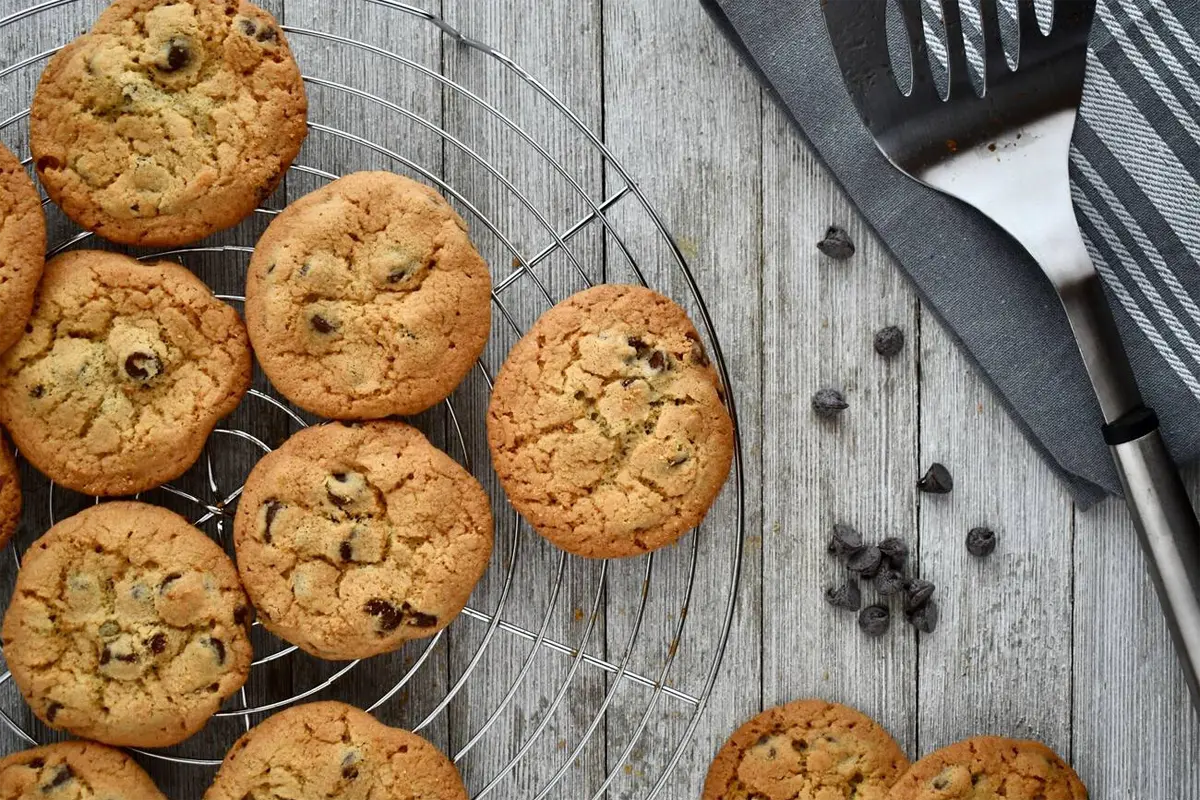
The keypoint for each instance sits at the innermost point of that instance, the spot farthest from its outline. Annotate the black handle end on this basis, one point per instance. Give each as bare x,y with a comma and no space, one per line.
1130,426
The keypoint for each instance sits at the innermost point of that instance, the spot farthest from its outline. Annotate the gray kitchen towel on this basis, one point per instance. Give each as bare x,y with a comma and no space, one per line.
1136,172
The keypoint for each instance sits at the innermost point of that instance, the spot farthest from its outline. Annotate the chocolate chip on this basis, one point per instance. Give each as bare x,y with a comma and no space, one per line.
105,656
875,620
241,615
247,26
889,341
157,643
218,648
640,348
142,366
658,360
178,53
397,275
46,163
389,616
127,658
847,596
271,508
346,551
890,582
895,552
37,391
52,711
62,775
940,783
349,773
167,581
917,594
418,619
321,325
829,403
937,480
267,34
845,540
836,244
981,542
36,763
678,459
110,628
866,561
925,618
214,687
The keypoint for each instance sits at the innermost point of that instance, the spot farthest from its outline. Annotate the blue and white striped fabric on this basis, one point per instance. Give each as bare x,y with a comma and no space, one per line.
1136,170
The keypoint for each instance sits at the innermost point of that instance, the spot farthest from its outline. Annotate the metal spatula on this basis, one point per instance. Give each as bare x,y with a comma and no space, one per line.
1005,153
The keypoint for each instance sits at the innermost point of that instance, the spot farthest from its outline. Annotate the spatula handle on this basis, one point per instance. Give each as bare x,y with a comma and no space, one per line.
1167,526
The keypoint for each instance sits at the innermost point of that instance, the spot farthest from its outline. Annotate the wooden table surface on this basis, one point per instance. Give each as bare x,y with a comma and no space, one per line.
1056,637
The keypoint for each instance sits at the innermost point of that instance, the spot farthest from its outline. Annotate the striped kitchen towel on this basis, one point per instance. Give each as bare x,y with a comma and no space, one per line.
1136,172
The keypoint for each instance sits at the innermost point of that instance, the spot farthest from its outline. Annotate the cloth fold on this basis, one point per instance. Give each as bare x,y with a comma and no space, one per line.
1136,180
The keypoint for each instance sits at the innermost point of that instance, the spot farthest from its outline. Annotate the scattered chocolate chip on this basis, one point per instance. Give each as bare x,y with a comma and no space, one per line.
875,620
218,648
321,325
270,509
889,341
640,348
866,561
678,459
157,643
346,551
940,783
937,480
349,773
247,26
37,391
925,618
142,366
895,552
389,616
127,658
845,540
46,163
340,477
829,403
418,619
890,582
241,615
917,594
658,360
52,711
110,628
267,34
398,275
214,687
177,55
105,656
62,775
167,581
36,763
836,244
847,596
981,542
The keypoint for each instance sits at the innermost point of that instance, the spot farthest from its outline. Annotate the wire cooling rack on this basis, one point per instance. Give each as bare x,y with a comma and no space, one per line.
564,677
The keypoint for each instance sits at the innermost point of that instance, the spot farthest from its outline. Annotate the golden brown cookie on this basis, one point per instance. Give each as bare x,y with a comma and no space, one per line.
607,426
169,120
990,768
352,540
74,771
127,626
124,372
330,749
366,299
22,246
10,492
806,750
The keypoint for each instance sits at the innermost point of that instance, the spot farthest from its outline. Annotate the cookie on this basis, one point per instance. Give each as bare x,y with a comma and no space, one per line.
806,750
22,246
123,373
333,750
169,120
127,626
990,768
607,426
76,770
352,540
10,493
366,299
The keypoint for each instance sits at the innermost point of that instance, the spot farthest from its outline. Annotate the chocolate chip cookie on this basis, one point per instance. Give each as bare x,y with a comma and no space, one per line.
366,299
351,540
989,767
127,626
607,426
75,770
10,492
22,246
169,120
123,373
333,750
806,750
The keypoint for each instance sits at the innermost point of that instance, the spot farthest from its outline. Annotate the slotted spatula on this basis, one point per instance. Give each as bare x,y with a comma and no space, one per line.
1005,153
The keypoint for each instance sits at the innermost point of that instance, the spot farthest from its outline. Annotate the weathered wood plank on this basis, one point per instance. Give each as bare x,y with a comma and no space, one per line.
1000,661
820,317
1126,675
669,78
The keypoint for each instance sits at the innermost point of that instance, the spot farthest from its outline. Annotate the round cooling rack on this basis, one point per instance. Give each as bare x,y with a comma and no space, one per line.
564,677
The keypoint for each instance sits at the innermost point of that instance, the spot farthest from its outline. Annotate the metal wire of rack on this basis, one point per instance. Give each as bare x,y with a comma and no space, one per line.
615,226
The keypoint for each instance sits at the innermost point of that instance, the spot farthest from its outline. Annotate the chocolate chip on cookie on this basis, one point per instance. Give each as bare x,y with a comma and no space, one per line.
97,654
354,540
96,770
10,492
22,246
990,767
